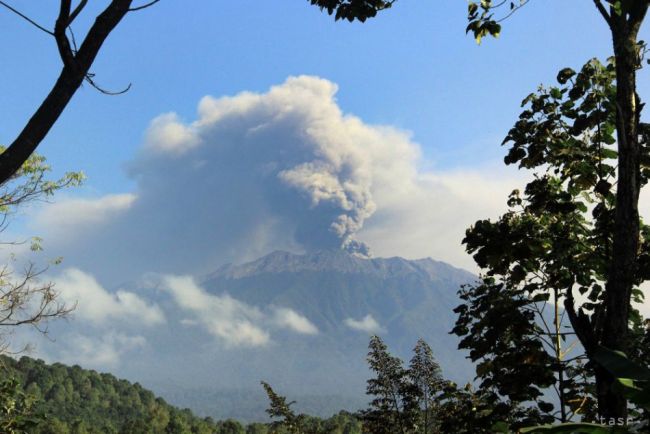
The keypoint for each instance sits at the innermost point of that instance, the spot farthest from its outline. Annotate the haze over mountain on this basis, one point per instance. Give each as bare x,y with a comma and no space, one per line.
299,321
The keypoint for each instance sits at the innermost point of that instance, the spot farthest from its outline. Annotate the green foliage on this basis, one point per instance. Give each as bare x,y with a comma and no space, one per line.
394,407
404,401
425,375
29,183
74,400
23,299
59,399
633,378
280,408
555,238
17,415
481,22
290,423
468,411
353,9
418,400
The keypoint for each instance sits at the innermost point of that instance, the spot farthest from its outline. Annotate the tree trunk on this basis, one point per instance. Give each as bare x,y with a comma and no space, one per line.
622,271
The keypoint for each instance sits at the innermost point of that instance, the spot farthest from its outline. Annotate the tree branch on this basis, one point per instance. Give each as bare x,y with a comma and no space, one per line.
76,11
26,18
512,11
603,12
151,3
73,73
580,323
62,42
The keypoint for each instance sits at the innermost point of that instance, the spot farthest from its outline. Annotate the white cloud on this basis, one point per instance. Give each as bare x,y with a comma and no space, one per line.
289,318
71,213
285,169
98,352
98,306
367,324
222,316
167,133
427,214
231,321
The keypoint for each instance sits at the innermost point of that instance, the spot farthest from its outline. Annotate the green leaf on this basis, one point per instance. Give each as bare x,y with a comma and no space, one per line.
501,427
620,366
541,297
564,75
568,428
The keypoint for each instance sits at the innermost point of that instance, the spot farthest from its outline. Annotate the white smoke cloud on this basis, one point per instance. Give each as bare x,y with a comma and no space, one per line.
96,305
257,172
71,213
95,352
290,319
221,316
367,324
426,214
233,322
167,134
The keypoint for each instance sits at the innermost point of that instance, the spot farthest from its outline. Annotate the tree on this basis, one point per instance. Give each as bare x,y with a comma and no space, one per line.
353,9
556,238
624,19
394,407
77,61
280,408
231,427
16,409
24,300
419,401
425,374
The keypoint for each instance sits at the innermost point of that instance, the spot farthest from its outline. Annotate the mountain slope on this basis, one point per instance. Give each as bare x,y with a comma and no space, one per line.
407,299
73,400
311,316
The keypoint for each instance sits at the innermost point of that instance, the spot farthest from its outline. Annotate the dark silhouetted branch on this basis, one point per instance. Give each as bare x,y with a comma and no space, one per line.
26,18
138,8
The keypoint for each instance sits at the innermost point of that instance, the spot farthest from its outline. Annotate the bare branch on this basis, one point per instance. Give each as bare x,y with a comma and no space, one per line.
151,3
89,79
513,10
26,18
62,42
70,79
603,12
76,11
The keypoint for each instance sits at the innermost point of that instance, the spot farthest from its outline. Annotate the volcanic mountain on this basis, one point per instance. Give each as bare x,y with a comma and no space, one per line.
347,298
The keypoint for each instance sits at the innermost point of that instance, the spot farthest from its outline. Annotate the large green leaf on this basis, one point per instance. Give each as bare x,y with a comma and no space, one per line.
619,365
572,428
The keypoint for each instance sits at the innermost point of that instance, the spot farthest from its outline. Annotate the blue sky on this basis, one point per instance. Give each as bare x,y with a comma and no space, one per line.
411,67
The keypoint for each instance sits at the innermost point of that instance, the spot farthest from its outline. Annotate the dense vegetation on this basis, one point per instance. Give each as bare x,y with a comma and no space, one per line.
59,399
411,400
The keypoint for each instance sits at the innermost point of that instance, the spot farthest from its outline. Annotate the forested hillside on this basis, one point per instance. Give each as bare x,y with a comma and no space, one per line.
73,400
